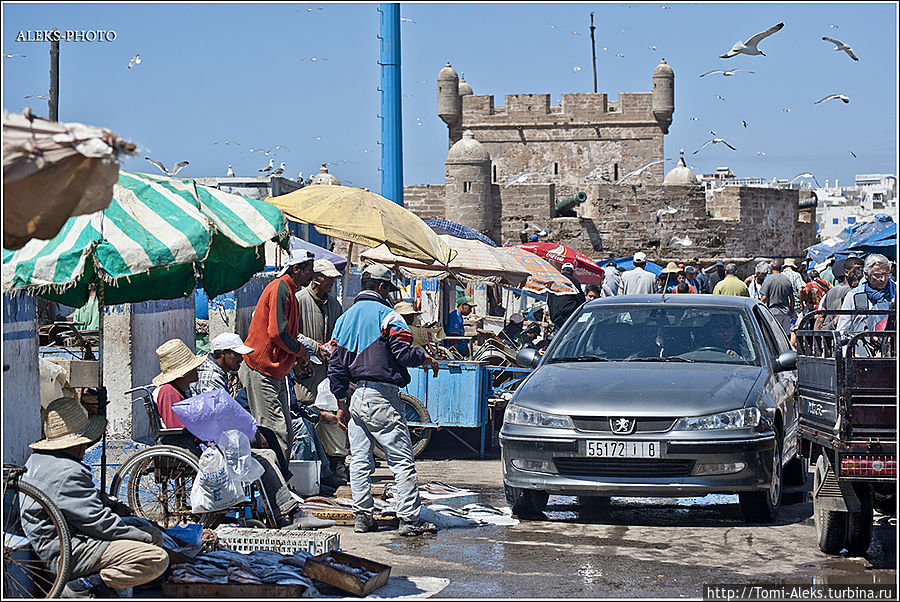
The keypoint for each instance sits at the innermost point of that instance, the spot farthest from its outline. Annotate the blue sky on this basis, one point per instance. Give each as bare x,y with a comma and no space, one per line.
213,72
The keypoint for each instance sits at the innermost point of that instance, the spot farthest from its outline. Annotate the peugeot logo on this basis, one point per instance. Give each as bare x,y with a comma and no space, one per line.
622,426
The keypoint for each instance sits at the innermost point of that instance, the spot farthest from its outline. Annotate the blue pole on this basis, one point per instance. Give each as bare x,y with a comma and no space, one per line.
391,127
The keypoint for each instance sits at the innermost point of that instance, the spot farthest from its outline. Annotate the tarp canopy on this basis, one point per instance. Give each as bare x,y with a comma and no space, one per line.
157,238
543,277
318,252
877,235
52,171
628,264
445,226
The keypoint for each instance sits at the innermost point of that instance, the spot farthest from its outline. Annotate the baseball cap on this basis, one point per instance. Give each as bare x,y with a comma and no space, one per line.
379,272
567,266
533,238
690,270
640,256
720,262
467,300
325,268
516,318
231,342
297,256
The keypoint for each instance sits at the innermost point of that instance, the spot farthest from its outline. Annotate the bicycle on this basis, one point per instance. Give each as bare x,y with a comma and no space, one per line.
32,522
156,482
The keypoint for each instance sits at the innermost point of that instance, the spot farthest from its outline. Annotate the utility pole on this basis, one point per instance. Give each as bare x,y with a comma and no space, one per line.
53,100
594,52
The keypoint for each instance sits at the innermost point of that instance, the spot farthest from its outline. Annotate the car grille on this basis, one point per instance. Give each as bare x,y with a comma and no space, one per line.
604,467
600,424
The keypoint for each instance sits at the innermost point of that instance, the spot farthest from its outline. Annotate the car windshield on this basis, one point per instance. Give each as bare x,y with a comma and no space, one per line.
658,334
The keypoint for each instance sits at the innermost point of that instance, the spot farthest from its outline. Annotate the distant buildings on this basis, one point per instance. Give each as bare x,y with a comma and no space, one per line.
840,207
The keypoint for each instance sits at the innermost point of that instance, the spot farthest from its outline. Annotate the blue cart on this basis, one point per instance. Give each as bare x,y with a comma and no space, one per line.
458,397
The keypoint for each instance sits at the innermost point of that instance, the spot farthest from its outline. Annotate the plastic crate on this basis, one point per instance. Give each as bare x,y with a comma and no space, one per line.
248,539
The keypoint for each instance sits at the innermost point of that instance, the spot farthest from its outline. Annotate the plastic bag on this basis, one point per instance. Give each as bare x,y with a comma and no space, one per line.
210,414
235,447
216,486
325,399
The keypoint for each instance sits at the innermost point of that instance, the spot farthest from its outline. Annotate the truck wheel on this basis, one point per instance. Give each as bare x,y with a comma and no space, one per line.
764,506
831,525
526,503
859,524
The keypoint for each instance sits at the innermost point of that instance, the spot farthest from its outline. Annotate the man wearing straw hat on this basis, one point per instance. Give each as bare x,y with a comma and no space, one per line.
108,552
273,336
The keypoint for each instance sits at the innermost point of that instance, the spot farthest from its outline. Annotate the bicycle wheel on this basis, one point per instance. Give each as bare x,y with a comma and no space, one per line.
156,482
32,521
420,435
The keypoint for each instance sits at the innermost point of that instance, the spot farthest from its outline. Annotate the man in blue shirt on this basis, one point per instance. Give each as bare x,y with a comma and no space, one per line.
455,326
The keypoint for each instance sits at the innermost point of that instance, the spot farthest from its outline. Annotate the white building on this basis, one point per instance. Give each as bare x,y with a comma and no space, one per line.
841,207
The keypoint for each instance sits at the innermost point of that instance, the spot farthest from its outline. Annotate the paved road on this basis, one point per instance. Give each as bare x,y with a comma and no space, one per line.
642,548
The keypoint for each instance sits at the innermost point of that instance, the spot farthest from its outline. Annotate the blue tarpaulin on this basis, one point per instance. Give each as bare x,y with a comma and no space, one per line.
876,236
443,226
628,264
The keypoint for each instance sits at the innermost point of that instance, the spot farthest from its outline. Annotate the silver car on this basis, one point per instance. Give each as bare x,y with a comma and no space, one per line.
673,396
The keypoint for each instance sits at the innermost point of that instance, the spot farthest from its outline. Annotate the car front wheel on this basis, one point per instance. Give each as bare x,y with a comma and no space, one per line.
764,506
526,503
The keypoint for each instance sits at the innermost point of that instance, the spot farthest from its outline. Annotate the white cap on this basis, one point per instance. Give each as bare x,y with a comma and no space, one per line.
567,266
229,341
640,256
516,318
325,268
379,272
296,256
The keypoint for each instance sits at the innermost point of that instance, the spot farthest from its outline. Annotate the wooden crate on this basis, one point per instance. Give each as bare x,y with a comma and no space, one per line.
315,568
261,591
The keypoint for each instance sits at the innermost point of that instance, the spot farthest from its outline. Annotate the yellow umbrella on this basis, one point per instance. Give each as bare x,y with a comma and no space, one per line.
363,217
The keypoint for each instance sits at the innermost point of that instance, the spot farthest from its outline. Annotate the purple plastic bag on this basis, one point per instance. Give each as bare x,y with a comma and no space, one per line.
210,414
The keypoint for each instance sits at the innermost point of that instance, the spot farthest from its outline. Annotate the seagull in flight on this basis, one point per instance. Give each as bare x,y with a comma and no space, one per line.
41,96
722,98
838,45
574,33
786,110
402,20
694,118
280,170
662,212
743,123
519,178
226,142
651,48
275,148
805,175
135,60
833,26
314,58
852,153
639,170
169,172
309,10
749,47
713,133
760,154
229,173
268,167
725,72
9,56
620,55
842,97
685,242
714,141
576,69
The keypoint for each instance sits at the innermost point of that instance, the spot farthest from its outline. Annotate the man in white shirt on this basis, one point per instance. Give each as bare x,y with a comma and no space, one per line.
637,281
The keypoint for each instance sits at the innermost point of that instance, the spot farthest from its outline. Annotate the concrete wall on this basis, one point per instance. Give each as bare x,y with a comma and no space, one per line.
21,382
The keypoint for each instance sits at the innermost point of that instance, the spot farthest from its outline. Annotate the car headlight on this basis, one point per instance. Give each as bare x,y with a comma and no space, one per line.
516,414
744,418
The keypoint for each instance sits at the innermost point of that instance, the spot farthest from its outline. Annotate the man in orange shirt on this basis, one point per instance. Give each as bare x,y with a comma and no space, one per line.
273,334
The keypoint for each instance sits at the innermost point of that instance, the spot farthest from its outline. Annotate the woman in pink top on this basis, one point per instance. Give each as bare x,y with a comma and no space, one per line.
178,366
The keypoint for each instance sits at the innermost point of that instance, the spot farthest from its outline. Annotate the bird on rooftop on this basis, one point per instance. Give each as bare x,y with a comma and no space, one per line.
300,176
838,45
726,73
135,60
842,97
279,171
639,170
229,173
268,167
714,141
9,56
169,172
749,47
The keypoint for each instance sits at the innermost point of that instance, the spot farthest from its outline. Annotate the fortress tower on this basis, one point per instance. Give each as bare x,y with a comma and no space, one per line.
468,185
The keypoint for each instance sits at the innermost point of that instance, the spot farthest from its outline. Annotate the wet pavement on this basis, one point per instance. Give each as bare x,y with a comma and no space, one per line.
643,547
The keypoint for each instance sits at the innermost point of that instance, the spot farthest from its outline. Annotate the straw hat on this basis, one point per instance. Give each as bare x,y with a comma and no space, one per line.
789,263
671,268
175,360
66,424
405,308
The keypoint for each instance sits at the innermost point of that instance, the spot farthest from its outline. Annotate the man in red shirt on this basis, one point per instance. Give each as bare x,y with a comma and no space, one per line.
273,335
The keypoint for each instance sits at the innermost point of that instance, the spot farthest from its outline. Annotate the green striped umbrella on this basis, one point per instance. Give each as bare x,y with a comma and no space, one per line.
157,238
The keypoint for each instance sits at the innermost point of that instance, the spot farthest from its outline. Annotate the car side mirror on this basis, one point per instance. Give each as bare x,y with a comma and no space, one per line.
786,360
528,358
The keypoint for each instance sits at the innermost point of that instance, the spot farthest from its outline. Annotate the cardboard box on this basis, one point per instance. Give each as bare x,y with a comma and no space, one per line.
316,567
79,373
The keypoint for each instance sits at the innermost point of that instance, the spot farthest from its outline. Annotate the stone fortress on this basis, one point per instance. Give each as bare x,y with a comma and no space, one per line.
586,146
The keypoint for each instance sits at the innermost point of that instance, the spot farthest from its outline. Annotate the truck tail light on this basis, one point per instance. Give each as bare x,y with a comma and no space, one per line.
869,465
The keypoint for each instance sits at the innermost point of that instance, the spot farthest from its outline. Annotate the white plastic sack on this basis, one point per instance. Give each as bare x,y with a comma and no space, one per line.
235,447
325,399
210,414
216,486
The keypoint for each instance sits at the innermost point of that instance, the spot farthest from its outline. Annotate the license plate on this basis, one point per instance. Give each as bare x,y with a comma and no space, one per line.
622,449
